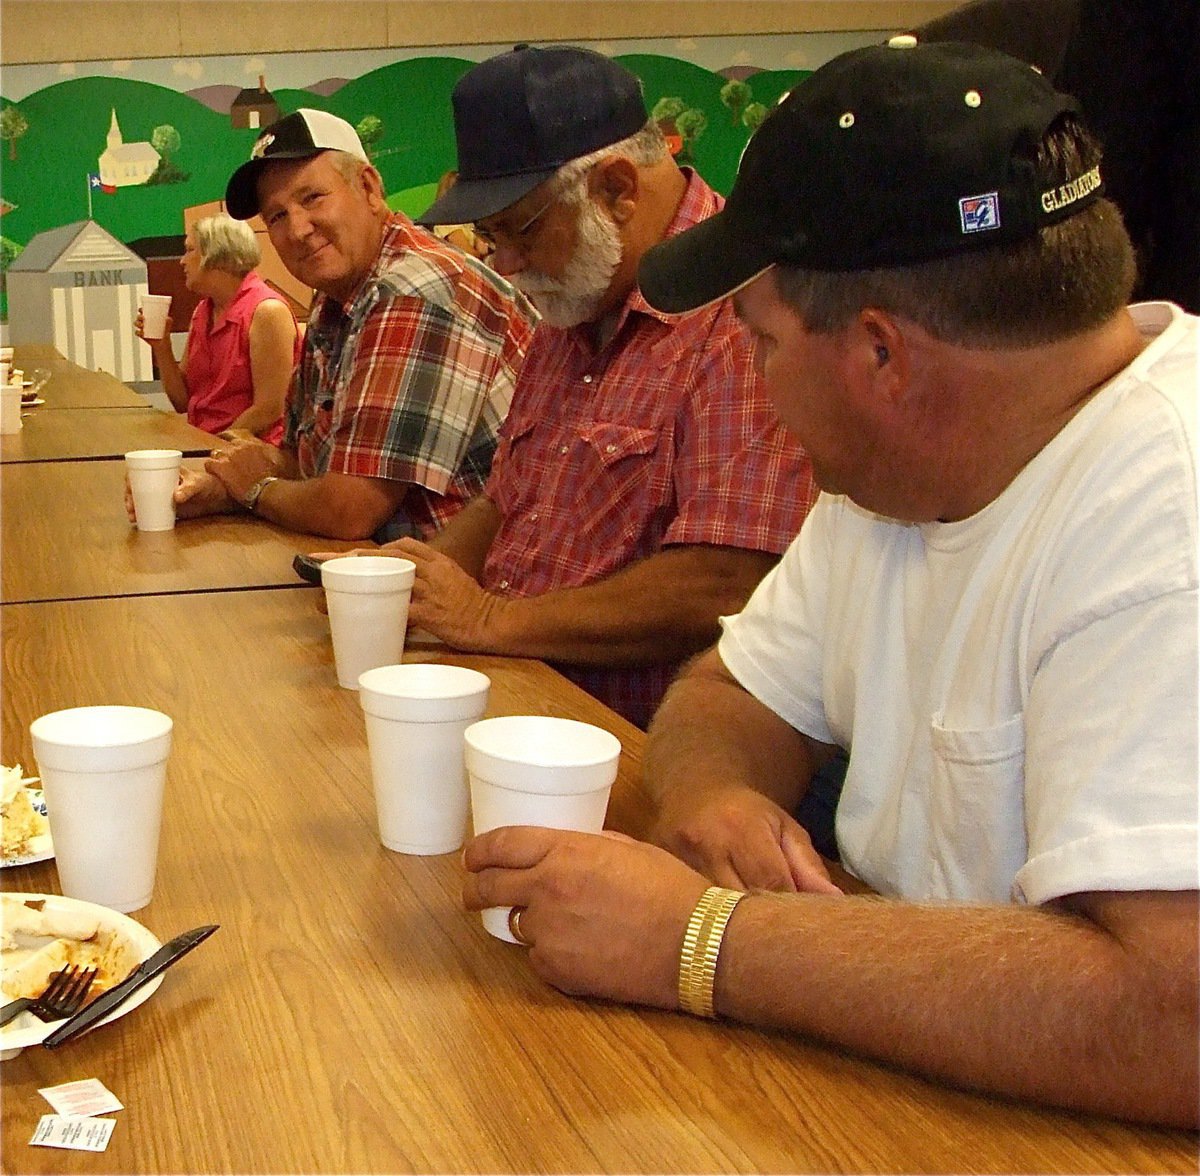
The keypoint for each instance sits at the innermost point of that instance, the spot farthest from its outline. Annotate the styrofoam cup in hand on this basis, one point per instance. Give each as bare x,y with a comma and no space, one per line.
10,408
367,599
155,308
416,715
153,476
103,772
538,770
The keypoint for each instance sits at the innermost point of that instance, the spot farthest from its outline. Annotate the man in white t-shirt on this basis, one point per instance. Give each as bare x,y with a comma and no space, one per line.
992,607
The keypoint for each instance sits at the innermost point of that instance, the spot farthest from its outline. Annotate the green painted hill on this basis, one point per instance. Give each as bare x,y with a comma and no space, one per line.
69,121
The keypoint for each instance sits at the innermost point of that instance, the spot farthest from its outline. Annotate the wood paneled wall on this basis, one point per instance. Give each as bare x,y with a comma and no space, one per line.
34,31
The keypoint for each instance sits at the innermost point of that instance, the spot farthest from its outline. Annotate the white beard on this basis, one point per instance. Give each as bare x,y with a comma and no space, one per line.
576,297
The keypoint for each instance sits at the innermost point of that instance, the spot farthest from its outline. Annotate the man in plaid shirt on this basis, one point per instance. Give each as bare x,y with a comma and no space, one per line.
409,362
643,484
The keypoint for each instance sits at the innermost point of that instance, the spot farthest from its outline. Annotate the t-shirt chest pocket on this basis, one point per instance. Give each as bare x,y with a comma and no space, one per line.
977,810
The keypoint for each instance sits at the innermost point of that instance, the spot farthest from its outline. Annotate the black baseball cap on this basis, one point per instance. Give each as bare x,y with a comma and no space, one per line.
519,116
296,136
885,156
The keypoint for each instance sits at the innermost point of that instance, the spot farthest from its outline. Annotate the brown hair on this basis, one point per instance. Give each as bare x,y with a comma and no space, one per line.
1069,278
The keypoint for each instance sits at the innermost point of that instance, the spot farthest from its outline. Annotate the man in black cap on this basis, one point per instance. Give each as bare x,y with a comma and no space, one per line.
643,483
993,607
409,360
1133,65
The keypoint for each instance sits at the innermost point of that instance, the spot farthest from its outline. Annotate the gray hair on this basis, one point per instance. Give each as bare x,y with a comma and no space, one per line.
349,166
226,244
644,148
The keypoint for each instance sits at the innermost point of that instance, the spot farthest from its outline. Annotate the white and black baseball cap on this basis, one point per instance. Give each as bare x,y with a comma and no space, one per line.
297,136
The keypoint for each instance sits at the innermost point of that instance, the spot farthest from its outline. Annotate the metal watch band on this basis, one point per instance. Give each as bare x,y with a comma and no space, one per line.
702,946
250,502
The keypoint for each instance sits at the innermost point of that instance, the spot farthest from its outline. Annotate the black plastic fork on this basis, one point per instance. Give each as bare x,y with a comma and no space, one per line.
64,996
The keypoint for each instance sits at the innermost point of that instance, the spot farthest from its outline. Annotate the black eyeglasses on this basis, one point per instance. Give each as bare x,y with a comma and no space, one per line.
520,238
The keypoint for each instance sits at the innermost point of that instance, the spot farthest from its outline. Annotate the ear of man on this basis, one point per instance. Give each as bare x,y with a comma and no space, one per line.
616,183
884,349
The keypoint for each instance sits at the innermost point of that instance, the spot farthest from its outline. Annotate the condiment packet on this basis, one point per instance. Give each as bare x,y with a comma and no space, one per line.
73,1131
87,1097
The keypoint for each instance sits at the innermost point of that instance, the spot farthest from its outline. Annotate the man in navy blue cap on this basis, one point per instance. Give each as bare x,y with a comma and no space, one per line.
992,607
643,483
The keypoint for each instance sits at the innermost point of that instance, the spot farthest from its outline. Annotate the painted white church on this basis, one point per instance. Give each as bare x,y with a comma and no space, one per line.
123,164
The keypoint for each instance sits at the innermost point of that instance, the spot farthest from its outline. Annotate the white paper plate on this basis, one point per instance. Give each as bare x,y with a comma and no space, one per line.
41,848
26,1029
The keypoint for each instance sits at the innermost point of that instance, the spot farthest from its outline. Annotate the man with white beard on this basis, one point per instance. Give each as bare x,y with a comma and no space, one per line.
643,485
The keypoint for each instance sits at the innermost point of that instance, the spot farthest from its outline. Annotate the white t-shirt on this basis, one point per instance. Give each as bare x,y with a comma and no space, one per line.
1018,690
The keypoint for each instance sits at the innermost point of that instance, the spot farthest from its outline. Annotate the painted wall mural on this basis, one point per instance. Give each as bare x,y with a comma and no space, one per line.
102,164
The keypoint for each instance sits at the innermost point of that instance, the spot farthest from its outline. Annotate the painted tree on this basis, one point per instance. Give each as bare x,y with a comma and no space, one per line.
753,115
13,124
165,140
9,252
668,109
370,131
736,95
691,124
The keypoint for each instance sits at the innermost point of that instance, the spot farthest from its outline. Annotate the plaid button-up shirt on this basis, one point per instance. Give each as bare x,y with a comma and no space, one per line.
663,436
411,380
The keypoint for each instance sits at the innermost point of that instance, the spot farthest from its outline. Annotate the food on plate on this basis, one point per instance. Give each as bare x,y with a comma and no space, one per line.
20,822
38,939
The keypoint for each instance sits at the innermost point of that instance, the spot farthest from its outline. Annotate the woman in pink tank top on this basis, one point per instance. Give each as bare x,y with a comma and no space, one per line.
243,342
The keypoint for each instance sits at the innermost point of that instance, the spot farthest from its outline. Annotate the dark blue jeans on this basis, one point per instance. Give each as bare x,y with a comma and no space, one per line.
819,806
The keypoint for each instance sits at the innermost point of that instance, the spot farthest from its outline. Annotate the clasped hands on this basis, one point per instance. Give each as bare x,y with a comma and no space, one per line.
228,474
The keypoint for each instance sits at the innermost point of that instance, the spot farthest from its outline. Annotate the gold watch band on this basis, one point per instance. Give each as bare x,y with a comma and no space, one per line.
701,947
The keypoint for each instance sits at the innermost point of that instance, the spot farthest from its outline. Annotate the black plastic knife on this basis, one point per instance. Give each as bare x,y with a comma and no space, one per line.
90,1014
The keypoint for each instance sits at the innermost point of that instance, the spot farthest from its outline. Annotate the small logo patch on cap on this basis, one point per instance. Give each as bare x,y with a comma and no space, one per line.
979,213
260,145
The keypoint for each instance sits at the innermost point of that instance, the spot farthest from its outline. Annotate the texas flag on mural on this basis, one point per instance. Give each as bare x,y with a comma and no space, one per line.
94,182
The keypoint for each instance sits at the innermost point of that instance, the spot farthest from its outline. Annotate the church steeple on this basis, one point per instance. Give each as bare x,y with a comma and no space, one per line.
115,139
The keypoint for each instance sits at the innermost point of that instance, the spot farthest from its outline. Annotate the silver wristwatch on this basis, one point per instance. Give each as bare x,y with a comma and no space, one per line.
250,502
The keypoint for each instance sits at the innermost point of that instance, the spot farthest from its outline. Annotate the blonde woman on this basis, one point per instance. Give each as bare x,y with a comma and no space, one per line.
242,344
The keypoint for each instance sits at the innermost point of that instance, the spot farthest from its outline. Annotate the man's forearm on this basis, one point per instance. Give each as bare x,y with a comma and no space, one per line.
468,536
1040,1003
709,729
336,506
663,608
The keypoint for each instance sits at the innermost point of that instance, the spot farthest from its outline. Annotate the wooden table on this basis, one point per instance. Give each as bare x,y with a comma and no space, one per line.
349,1016
65,535
72,386
59,435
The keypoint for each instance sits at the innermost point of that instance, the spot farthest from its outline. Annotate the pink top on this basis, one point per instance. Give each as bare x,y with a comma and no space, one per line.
220,385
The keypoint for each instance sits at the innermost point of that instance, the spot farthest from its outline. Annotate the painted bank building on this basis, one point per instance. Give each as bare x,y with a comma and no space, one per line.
78,287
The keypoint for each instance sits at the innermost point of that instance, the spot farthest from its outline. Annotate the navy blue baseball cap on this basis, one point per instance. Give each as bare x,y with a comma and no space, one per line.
886,156
519,116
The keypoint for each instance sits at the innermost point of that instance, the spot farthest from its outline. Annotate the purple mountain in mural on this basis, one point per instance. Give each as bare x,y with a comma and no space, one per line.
218,98
739,73
327,86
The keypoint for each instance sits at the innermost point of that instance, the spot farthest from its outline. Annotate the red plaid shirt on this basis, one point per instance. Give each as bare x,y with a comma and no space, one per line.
410,381
663,436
